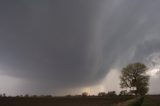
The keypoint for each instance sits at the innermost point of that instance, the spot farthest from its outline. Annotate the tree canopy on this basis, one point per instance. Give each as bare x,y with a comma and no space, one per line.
134,76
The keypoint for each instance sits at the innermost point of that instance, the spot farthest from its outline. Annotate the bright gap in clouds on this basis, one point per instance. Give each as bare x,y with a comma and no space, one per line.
153,72
153,64
10,85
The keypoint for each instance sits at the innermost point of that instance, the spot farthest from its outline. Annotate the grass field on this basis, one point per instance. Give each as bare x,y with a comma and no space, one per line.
63,101
151,100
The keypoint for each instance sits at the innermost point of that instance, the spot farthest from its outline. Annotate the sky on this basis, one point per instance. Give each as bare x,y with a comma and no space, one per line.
72,46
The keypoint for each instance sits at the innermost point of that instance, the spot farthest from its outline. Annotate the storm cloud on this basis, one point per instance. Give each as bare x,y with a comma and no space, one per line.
66,44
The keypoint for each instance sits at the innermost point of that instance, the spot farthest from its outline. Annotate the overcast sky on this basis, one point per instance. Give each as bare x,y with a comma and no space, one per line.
66,46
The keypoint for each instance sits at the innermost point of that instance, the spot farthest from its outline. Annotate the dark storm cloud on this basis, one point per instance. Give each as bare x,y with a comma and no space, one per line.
47,41
72,43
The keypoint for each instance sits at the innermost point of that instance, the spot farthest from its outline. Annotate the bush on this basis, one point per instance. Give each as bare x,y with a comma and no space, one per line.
84,94
111,93
101,94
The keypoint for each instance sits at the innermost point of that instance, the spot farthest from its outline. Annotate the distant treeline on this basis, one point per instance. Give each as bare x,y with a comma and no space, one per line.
84,94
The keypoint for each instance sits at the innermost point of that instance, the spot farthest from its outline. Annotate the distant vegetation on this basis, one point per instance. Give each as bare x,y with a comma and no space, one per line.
84,94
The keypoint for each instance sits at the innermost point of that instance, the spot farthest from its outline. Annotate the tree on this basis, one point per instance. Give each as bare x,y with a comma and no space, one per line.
84,94
134,77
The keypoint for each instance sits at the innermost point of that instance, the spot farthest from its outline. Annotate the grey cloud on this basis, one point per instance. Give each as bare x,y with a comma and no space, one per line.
73,43
47,41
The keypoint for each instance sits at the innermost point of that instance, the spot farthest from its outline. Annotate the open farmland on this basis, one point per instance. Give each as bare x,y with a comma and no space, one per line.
151,100
63,101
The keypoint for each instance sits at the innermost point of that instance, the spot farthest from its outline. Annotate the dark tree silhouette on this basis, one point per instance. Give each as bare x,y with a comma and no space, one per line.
134,76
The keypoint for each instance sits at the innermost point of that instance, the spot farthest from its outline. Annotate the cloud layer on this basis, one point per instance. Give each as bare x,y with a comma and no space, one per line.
60,44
